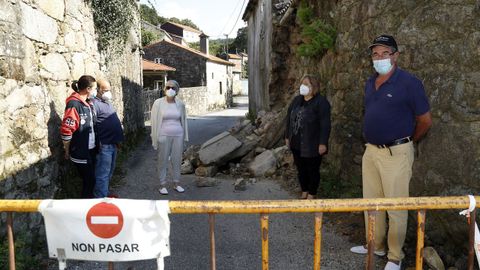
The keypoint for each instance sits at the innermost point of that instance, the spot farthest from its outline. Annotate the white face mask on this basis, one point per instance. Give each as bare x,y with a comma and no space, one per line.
304,90
170,93
382,66
93,92
107,96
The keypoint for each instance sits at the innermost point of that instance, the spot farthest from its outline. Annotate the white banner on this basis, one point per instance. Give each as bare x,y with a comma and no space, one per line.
107,229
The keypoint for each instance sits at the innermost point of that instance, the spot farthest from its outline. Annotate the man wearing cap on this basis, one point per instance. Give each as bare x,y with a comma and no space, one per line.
397,114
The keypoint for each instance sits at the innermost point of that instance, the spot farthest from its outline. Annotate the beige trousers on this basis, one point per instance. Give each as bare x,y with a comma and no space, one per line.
387,174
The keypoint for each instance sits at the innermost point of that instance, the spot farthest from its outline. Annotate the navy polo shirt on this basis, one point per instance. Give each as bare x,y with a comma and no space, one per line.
390,111
107,127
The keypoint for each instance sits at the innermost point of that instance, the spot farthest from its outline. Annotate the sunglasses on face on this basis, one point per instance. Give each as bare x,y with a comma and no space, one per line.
169,87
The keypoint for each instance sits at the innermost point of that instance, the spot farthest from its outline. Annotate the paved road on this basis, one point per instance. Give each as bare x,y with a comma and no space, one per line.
237,236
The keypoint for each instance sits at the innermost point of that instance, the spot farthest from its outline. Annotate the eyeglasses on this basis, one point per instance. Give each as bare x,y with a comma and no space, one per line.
169,87
382,55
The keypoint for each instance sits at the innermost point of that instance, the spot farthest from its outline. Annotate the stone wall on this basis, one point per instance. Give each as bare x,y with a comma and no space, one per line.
195,99
190,67
438,42
44,46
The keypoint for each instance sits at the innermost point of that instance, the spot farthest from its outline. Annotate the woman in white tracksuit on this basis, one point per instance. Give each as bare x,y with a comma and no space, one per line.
169,131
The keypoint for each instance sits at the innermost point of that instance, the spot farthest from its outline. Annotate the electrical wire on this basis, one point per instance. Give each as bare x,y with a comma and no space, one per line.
225,25
239,14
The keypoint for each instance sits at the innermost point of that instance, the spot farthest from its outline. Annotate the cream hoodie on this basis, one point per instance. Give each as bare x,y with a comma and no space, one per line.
156,118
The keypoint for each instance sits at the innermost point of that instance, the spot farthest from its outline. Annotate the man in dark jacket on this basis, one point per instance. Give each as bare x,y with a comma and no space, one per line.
109,136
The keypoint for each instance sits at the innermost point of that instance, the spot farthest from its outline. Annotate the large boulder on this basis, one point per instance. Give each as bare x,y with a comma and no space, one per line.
218,149
263,163
432,259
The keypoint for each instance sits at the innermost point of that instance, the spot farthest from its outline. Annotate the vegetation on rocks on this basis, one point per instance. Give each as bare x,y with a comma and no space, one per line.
317,35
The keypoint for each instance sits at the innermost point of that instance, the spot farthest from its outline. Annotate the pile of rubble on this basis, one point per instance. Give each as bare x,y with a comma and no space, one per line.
245,152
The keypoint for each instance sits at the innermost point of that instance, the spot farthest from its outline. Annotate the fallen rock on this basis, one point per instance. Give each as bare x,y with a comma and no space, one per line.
206,171
262,163
259,150
240,184
246,147
432,259
187,167
218,149
206,182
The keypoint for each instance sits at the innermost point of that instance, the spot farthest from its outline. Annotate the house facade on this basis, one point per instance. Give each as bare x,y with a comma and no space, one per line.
196,69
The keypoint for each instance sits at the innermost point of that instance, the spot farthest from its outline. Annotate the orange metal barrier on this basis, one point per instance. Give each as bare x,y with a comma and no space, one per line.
372,206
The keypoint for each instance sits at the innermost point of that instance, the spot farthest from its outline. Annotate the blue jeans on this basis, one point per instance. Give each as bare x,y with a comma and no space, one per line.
105,165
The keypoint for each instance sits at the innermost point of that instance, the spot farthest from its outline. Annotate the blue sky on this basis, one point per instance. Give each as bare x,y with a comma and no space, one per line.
214,17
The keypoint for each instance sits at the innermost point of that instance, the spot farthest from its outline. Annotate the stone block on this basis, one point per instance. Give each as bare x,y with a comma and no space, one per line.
432,259
240,184
218,149
56,65
53,8
206,182
45,29
208,171
263,163
30,57
78,65
186,167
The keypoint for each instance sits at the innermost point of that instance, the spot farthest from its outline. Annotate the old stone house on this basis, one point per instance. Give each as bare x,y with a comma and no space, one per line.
199,69
180,31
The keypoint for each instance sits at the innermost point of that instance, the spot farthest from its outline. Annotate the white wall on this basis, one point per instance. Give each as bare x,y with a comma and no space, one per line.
191,36
219,75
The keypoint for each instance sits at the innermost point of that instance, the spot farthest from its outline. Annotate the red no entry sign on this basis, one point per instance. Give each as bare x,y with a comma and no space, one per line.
105,220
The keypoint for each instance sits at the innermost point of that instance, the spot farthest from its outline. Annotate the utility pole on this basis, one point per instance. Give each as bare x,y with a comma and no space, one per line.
226,42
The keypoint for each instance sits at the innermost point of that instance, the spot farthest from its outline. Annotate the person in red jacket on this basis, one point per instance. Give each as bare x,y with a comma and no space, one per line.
78,134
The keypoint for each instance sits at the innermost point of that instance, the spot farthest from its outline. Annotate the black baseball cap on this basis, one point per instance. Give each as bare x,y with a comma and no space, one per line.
385,40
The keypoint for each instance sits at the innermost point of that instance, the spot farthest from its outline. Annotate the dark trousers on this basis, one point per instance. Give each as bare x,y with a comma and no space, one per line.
87,173
308,169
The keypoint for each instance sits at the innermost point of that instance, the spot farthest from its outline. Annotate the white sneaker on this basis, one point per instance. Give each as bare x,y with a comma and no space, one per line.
363,250
393,266
163,191
179,189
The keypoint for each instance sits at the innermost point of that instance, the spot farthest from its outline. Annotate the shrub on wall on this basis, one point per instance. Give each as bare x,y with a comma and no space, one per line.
317,35
113,20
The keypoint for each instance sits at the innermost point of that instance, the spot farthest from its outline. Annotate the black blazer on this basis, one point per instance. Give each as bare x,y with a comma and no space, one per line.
314,125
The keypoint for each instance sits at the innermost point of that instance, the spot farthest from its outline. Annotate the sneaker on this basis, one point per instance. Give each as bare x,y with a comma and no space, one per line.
179,189
393,266
163,191
364,250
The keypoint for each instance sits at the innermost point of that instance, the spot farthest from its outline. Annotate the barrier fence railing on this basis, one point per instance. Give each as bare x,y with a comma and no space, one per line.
319,206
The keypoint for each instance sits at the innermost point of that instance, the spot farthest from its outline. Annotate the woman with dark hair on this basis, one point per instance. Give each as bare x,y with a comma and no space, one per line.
77,131
307,132
169,131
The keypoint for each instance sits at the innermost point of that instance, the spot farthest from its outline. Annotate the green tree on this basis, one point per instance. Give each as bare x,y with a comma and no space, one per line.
149,14
148,37
240,42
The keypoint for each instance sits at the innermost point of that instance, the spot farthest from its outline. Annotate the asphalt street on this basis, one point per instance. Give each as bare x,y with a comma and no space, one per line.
238,242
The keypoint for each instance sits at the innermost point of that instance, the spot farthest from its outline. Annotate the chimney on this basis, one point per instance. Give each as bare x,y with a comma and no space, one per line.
204,43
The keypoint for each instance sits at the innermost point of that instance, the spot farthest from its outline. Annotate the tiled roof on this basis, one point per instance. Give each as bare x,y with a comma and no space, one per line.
234,56
206,56
185,27
151,66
